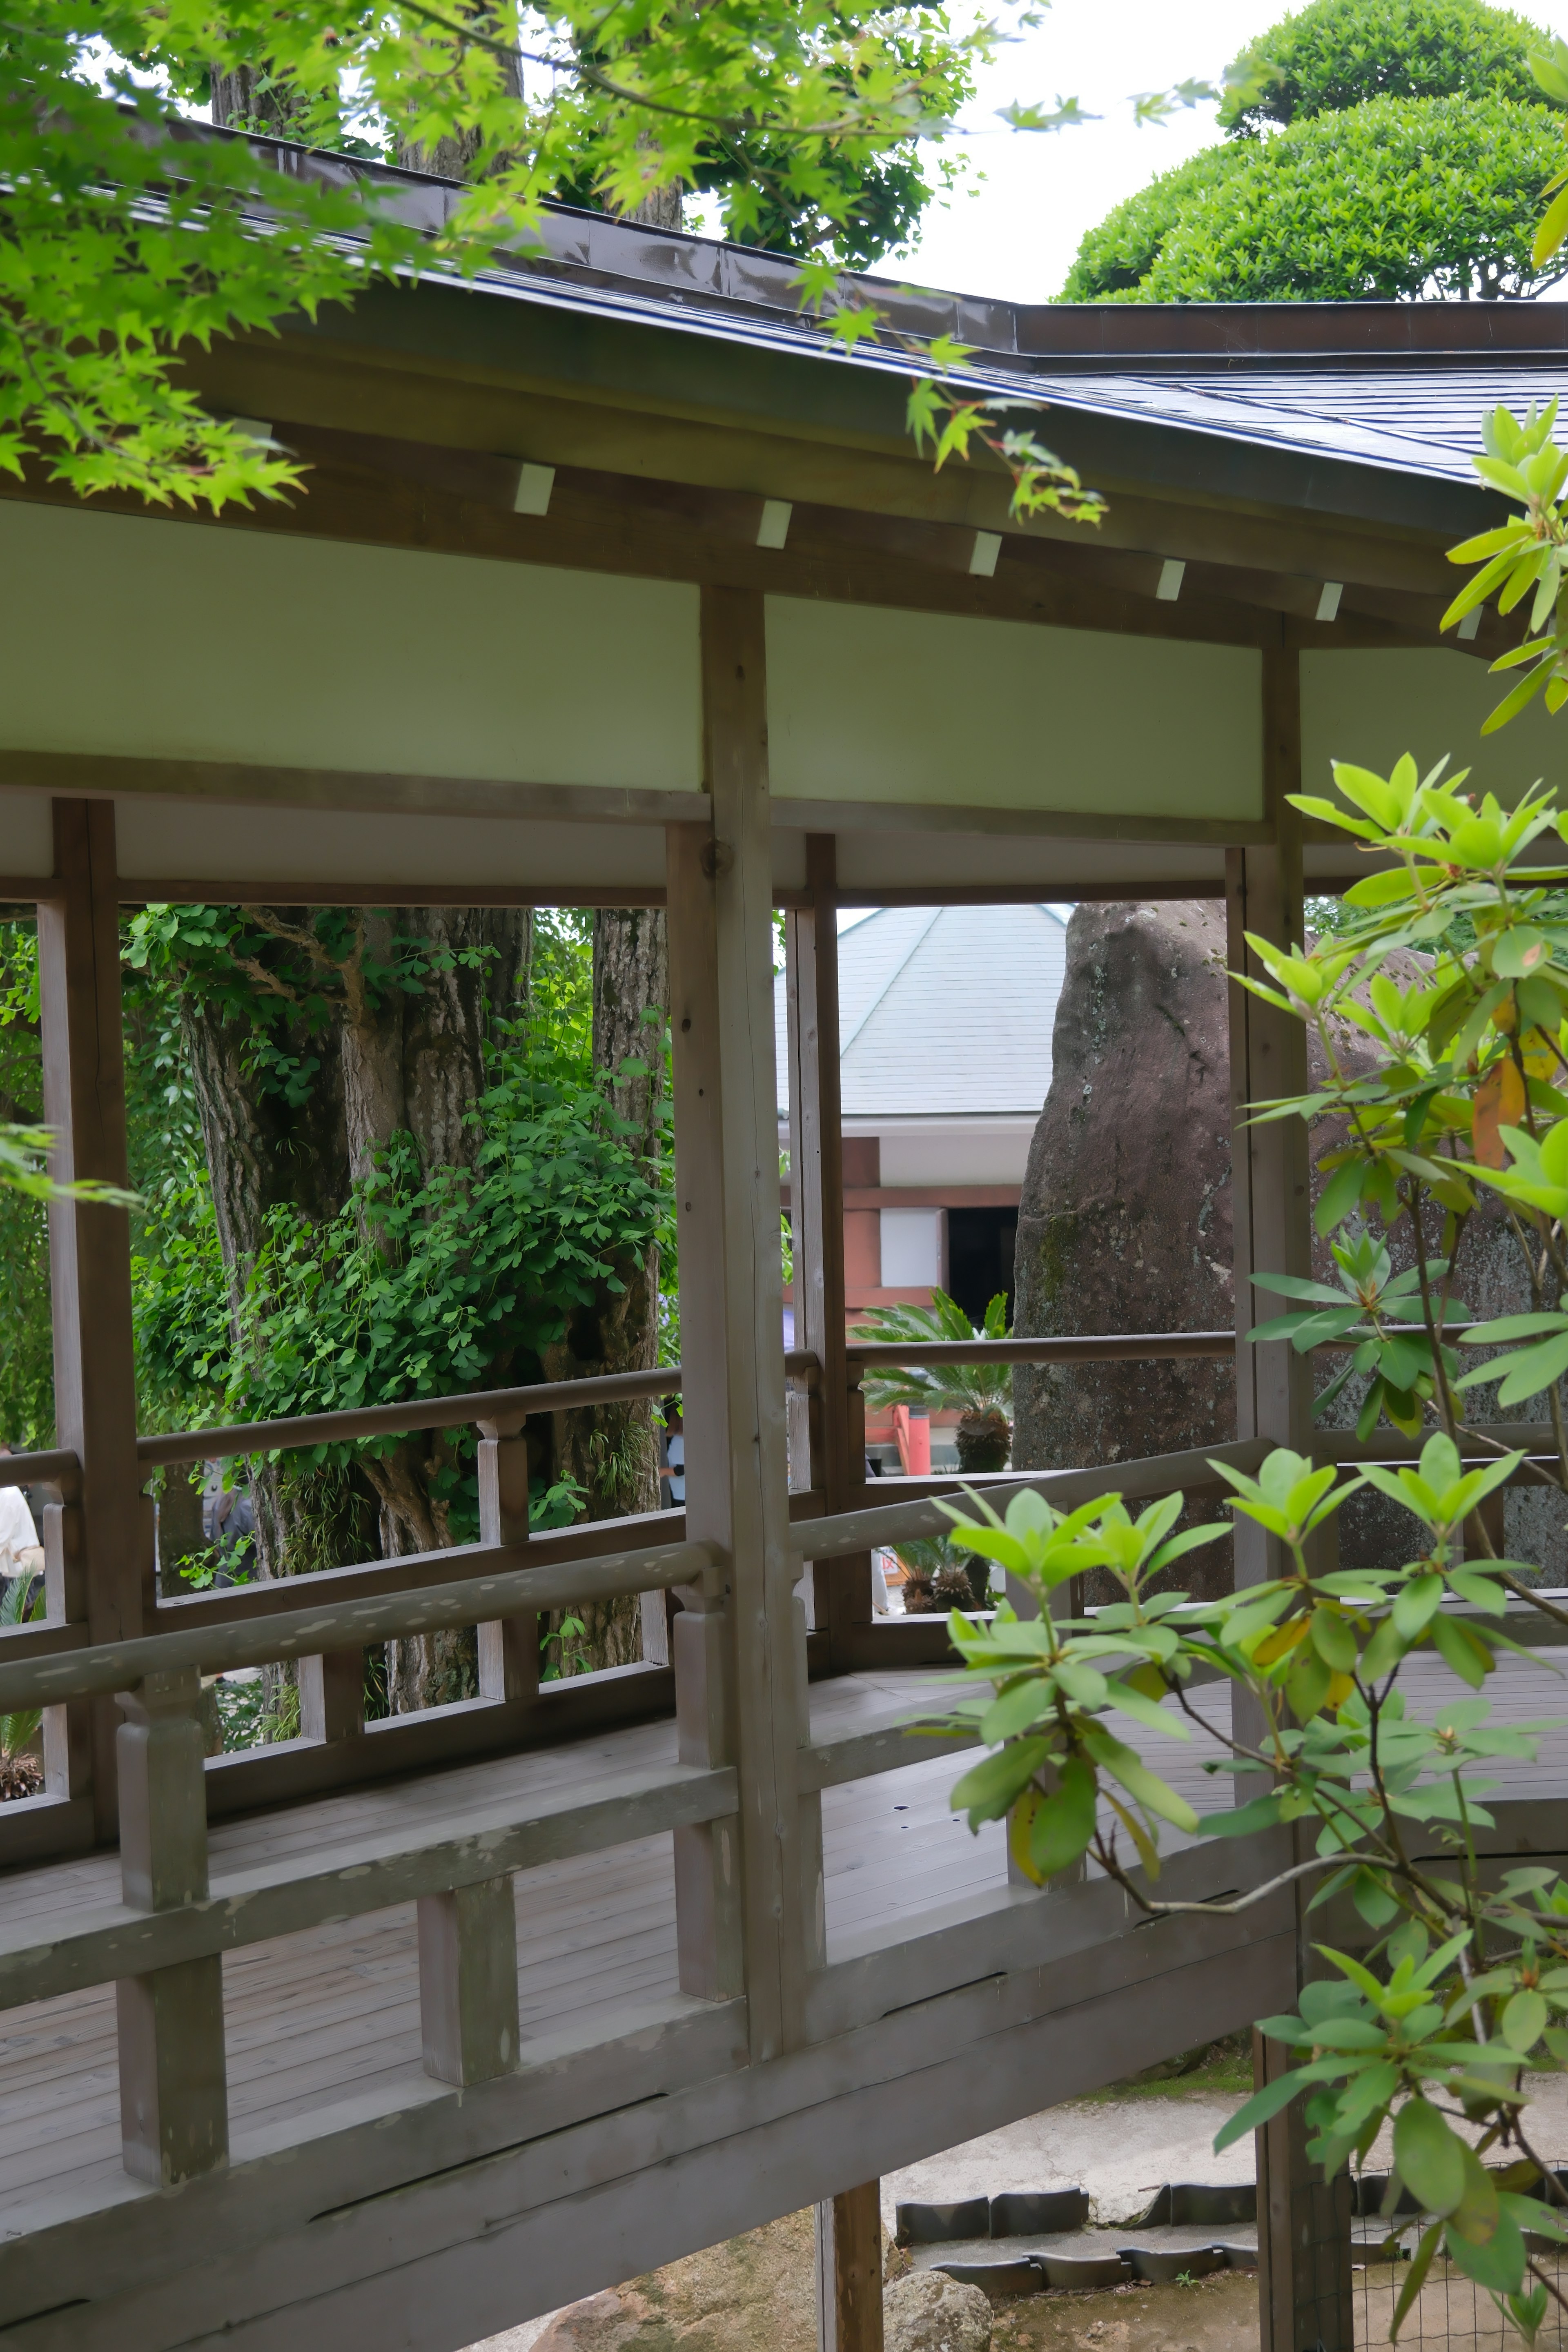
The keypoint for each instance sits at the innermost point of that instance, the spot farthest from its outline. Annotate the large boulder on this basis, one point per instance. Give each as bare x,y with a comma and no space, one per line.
1125,1222
1125,1219
929,2312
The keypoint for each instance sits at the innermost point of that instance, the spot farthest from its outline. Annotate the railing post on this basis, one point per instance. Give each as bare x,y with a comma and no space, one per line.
736,1640
467,1982
331,1695
102,1552
68,1730
816,1212
1303,2225
508,1646
174,2105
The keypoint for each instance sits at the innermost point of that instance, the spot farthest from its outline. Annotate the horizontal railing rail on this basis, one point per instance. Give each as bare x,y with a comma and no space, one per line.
883,1523
464,1844
305,1633
59,1468
426,1413
1091,1347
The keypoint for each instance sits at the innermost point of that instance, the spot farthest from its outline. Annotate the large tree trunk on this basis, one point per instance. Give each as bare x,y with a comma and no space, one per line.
453,158
251,98
610,1450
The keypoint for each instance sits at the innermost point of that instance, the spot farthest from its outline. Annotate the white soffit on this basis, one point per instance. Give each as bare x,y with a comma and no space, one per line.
869,704
1368,705
185,641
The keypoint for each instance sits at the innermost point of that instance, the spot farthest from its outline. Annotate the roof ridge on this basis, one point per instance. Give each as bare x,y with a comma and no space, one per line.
920,937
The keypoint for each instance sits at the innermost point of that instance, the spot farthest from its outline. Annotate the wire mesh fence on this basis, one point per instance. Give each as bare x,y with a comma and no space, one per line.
1451,2313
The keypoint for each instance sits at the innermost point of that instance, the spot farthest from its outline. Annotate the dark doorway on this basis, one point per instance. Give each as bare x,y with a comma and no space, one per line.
980,1246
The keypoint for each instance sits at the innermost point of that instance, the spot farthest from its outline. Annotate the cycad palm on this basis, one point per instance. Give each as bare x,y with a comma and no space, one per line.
981,1393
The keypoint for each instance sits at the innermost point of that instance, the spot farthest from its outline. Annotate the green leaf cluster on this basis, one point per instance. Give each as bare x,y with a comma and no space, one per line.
1398,197
129,237
1337,54
421,1285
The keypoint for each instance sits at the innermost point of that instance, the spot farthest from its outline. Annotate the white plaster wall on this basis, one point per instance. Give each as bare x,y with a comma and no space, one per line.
869,704
185,641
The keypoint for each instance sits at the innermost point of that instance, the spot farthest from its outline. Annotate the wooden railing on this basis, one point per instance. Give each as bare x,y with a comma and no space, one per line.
511,1575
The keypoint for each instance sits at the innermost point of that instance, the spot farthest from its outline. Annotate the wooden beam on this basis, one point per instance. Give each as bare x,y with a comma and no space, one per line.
849,2247
271,784
343,389
106,1537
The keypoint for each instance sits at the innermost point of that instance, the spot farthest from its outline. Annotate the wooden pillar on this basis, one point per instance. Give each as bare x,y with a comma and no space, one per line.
738,1882
841,1590
467,1982
1303,2227
174,2103
1270,1164
509,1648
99,1555
850,2270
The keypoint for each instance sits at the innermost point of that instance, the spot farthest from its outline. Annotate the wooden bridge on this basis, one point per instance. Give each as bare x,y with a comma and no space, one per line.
395,2033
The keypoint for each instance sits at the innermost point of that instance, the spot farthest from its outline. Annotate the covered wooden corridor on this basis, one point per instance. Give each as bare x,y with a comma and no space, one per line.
396,2034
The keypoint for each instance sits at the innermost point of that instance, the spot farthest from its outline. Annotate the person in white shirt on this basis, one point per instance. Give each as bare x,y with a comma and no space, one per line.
20,1550
672,1470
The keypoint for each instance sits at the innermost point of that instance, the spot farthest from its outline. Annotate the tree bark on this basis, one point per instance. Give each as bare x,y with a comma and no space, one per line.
454,158
611,1450
249,99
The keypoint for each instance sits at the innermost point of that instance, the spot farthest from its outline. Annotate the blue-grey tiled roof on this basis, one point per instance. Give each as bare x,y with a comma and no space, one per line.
945,1011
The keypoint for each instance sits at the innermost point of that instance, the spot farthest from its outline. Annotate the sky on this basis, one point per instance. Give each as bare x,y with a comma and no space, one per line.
1016,235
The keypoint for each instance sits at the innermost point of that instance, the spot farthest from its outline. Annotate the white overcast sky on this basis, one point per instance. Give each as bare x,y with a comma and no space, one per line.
1016,235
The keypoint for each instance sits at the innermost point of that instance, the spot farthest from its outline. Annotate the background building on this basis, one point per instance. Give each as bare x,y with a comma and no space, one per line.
945,1020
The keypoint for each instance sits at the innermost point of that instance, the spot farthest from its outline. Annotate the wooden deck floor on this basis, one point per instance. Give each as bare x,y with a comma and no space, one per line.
317,2019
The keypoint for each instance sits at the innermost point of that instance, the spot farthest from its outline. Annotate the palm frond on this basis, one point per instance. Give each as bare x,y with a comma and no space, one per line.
946,1388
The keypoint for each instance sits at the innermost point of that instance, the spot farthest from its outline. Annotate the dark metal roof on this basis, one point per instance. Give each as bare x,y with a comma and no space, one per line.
1396,387
1409,419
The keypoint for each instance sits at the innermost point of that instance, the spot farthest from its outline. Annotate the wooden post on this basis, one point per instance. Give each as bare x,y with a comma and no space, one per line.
850,2270
736,1637
101,1561
173,2105
467,1982
841,1590
1270,1164
331,1695
1303,2227
509,1648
